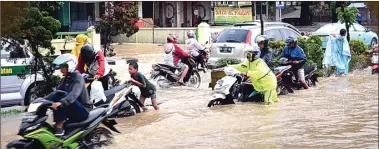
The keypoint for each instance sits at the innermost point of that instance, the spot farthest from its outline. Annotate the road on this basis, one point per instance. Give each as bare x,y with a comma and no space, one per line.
341,112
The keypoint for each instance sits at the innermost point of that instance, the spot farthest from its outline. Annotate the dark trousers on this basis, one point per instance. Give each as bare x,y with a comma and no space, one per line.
75,112
199,60
104,81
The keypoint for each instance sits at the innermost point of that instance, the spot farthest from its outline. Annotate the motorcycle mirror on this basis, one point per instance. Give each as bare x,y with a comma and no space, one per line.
206,42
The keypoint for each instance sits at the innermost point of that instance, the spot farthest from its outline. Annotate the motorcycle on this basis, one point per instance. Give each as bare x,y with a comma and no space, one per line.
166,75
204,56
38,134
289,77
374,60
122,98
233,86
280,73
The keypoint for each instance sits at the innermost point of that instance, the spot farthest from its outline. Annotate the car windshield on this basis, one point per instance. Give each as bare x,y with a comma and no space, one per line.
328,28
232,35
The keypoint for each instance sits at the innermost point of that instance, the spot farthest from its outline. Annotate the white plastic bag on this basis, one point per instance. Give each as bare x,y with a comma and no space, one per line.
97,92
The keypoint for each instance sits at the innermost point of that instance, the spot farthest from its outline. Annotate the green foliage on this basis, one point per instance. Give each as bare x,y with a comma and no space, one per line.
227,61
312,49
357,47
359,61
119,18
34,28
348,15
277,48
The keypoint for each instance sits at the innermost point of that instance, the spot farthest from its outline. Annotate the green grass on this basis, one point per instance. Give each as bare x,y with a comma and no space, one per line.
11,112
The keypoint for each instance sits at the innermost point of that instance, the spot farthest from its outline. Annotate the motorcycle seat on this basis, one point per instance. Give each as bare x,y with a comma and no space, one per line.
309,69
280,69
95,113
172,68
114,90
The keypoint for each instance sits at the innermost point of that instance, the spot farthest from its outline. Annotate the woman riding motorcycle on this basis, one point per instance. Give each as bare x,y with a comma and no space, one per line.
262,78
173,54
96,64
266,53
194,47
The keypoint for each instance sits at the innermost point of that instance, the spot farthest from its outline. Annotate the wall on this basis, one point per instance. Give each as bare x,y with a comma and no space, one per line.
145,35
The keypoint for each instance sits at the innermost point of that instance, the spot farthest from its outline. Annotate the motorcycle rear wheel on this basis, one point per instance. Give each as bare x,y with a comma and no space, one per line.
195,80
98,138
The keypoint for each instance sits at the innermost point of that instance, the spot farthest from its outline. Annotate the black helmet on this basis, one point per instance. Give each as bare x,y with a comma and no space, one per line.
263,39
87,53
252,53
291,40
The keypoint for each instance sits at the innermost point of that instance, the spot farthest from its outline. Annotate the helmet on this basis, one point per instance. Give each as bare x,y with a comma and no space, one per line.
291,40
68,60
191,34
252,53
263,39
88,53
171,38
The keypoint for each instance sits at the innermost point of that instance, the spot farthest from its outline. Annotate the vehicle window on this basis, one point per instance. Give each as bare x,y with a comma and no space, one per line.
233,35
359,28
274,33
13,53
288,33
327,28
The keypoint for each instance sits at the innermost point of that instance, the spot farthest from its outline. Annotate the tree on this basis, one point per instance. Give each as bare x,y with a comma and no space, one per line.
119,18
28,25
347,16
305,14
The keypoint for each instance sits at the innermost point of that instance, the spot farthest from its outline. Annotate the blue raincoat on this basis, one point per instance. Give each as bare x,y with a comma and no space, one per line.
337,53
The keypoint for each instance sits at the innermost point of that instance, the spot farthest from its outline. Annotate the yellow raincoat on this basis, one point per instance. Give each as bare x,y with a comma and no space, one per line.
262,78
81,39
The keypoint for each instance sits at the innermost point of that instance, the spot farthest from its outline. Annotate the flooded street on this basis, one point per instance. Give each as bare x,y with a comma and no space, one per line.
341,112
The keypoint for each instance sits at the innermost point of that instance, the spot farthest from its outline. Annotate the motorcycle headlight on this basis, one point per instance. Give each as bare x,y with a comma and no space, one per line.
222,87
32,127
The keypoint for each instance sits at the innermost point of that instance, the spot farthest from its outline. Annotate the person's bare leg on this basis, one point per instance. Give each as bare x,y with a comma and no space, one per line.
183,75
155,104
304,84
142,99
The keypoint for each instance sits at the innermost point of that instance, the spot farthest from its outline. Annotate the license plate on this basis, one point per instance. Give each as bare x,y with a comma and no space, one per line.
226,49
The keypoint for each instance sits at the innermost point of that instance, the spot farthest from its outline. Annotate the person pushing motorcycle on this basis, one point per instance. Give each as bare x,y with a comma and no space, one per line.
96,64
266,53
74,104
261,76
173,55
295,54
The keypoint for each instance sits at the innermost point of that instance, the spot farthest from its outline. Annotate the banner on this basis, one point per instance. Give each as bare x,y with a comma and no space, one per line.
232,15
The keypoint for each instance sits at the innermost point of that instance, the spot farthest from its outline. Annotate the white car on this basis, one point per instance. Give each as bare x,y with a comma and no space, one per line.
15,89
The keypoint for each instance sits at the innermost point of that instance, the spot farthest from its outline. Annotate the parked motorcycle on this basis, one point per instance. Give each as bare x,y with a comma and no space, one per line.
289,78
122,98
166,75
38,134
374,60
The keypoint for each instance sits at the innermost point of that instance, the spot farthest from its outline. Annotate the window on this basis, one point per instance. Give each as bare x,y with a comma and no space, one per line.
13,52
288,33
274,33
233,35
359,28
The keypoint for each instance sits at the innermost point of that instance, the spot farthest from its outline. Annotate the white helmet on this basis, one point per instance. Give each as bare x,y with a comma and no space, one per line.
68,59
191,34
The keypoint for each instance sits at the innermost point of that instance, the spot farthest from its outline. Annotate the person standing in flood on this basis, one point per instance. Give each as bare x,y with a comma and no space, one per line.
337,54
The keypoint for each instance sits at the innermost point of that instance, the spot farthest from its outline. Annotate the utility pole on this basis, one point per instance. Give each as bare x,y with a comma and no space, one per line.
260,17
153,20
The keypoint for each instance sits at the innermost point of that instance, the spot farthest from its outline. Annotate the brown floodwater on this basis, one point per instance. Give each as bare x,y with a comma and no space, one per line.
341,112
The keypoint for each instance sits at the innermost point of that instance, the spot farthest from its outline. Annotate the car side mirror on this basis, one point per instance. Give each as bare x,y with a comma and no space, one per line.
367,29
271,39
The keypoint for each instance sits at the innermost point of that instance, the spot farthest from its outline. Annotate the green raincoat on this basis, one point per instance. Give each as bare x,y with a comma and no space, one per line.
262,78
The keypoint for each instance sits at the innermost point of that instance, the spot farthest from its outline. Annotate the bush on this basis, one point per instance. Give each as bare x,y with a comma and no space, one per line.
359,61
357,47
227,61
312,49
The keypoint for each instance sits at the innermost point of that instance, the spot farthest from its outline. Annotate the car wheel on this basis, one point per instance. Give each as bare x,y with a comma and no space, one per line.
30,95
374,41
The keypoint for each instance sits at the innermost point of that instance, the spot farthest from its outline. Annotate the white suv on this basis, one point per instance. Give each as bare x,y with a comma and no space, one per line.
14,89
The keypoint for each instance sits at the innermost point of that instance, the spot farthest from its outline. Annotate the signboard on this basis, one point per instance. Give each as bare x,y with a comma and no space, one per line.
14,70
232,15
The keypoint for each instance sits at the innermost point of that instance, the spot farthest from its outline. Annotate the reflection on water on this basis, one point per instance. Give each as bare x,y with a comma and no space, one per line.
338,113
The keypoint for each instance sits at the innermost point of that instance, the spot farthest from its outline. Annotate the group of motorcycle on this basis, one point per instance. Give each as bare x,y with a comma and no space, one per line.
119,101
237,86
